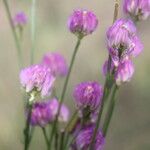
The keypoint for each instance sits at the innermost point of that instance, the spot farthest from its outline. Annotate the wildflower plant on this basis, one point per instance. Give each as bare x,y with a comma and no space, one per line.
85,129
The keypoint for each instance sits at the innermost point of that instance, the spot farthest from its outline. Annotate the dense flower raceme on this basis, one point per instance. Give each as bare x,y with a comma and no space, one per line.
139,9
45,112
122,41
56,62
37,78
88,95
20,19
84,138
82,22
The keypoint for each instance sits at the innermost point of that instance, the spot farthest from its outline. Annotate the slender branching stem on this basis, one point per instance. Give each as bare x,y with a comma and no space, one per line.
16,39
45,137
64,89
110,111
107,89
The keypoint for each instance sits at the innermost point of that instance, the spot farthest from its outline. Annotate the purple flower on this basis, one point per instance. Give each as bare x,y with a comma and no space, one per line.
84,138
139,9
137,46
124,72
20,19
41,114
122,41
82,22
64,111
37,78
88,95
56,62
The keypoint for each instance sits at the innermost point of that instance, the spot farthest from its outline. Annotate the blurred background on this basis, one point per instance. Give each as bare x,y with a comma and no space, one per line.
130,126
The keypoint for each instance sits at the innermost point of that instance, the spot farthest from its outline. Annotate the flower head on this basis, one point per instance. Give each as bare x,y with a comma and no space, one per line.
37,78
139,9
124,72
82,22
88,95
122,40
84,138
56,62
53,106
40,115
20,19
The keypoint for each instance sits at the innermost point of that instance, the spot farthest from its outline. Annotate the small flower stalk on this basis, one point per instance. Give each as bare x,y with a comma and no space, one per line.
45,107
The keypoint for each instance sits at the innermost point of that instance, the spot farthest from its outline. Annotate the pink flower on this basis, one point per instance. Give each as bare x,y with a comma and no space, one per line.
56,62
82,22
124,72
37,78
53,106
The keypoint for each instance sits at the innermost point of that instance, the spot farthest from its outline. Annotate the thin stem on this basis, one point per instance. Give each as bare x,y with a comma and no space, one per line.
56,140
27,129
62,137
110,111
33,14
71,120
99,115
18,47
65,88
106,92
46,137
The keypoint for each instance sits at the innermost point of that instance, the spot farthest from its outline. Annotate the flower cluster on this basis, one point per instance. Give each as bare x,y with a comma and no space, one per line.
56,63
138,9
88,95
82,23
20,19
45,112
37,78
84,138
123,44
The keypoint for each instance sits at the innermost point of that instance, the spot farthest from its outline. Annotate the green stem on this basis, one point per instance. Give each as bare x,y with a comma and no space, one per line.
107,90
65,88
27,129
105,96
62,137
56,140
33,12
18,47
110,111
46,137
71,120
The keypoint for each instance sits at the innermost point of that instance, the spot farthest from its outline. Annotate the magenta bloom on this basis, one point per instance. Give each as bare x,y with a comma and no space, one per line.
139,9
56,62
84,138
88,95
124,72
41,114
64,111
20,19
122,40
37,78
82,22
